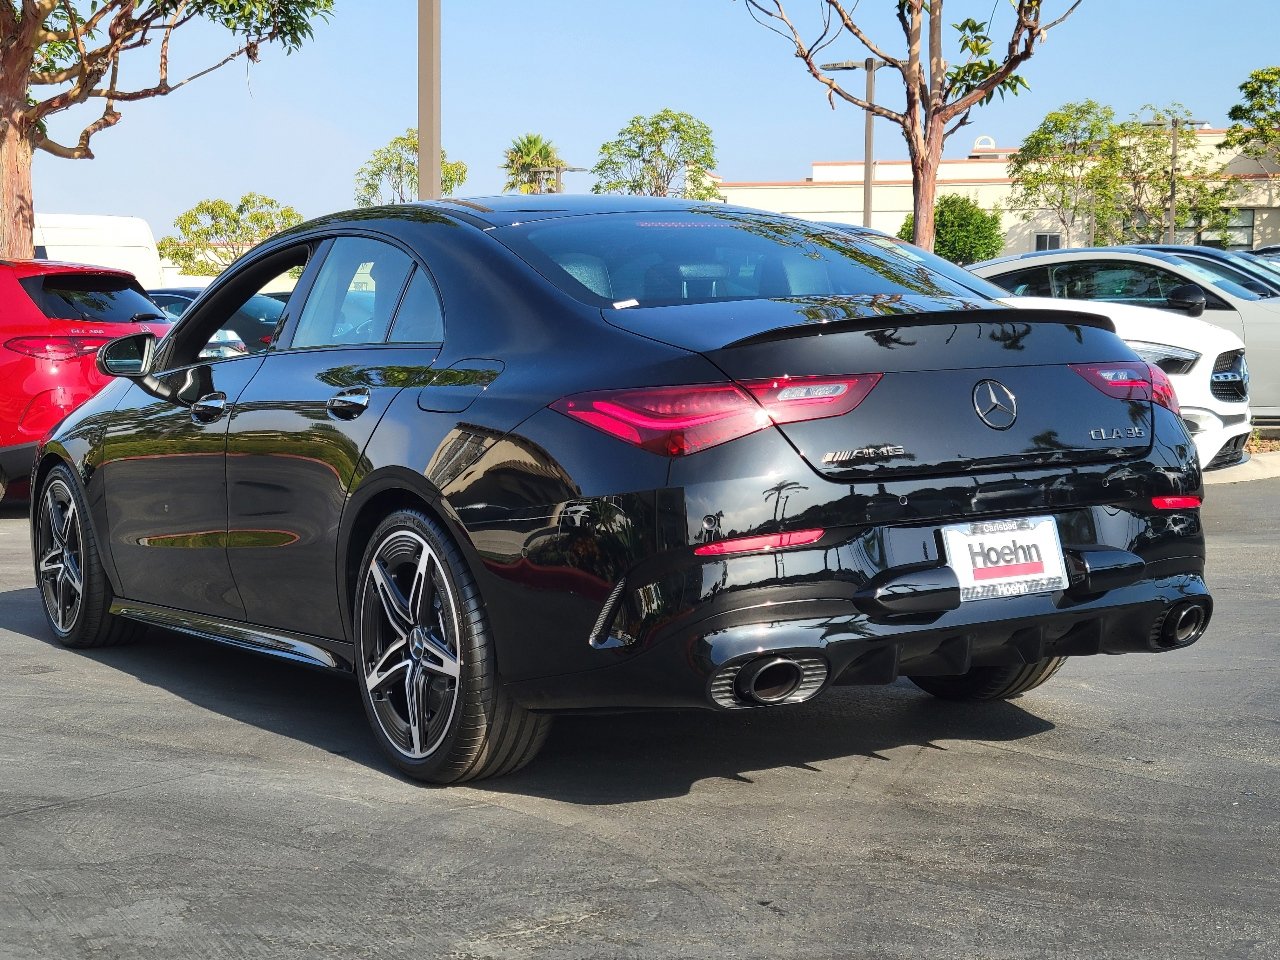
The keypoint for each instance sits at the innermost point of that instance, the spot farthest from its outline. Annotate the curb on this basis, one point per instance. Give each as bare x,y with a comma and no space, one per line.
1260,466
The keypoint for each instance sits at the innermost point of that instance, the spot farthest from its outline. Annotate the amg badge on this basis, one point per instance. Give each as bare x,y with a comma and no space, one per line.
864,453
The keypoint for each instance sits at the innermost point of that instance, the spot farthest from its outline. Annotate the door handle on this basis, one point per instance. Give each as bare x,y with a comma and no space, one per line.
348,404
209,408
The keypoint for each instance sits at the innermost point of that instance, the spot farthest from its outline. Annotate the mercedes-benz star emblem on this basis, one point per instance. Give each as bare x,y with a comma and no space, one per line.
995,404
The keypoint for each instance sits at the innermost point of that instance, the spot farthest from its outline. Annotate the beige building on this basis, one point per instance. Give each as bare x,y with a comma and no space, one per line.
833,192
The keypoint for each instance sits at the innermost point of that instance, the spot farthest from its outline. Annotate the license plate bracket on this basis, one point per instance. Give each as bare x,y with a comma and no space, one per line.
1005,558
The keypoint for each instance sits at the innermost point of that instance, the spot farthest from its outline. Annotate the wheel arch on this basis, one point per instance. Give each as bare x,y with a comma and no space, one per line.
379,495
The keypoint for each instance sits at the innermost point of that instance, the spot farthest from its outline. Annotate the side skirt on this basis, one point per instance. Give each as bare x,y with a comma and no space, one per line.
313,651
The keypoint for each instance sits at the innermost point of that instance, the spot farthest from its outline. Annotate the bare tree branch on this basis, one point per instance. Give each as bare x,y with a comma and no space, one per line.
847,22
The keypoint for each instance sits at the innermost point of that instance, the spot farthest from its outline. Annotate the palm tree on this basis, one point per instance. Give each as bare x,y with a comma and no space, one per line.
523,158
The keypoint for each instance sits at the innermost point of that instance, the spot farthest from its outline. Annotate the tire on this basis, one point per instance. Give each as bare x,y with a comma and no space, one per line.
74,589
425,660
991,683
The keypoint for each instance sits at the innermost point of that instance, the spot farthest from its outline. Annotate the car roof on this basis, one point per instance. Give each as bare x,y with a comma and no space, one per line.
1074,252
507,209
36,268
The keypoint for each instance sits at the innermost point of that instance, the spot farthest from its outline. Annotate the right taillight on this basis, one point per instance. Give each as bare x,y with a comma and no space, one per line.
56,348
1162,391
678,421
1130,380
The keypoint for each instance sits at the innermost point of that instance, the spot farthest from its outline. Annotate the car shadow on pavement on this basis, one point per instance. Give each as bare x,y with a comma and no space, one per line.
629,757
589,760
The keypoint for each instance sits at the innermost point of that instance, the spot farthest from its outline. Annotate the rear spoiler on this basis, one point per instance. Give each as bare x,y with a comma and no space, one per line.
998,317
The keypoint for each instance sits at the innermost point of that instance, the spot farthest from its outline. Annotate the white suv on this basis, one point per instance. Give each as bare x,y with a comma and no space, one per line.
1178,287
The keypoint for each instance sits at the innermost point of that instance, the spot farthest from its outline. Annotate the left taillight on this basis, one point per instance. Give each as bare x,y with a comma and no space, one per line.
1131,380
55,348
678,421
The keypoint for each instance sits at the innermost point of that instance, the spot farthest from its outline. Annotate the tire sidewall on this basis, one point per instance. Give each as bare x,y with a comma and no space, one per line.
450,757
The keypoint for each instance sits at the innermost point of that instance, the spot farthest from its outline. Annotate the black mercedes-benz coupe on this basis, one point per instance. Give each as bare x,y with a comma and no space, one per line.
516,456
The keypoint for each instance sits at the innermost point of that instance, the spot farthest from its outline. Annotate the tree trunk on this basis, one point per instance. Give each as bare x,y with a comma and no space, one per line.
17,219
924,170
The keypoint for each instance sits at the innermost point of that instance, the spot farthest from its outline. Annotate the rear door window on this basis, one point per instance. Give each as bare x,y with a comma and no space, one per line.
355,294
94,298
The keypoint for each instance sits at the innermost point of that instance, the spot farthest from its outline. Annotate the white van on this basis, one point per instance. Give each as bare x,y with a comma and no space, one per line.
125,243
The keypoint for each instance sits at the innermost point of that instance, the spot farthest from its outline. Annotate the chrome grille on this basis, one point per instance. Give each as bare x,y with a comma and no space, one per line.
1230,379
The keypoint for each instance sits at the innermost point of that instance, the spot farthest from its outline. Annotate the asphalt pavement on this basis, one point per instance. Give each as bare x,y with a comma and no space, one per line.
180,799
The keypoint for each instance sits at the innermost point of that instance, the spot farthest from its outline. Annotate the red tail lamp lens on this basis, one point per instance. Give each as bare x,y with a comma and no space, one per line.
1175,503
1124,380
772,541
678,421
56,348
671,421
1162,391
791,399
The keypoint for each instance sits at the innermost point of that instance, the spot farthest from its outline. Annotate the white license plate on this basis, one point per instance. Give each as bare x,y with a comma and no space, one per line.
1005,558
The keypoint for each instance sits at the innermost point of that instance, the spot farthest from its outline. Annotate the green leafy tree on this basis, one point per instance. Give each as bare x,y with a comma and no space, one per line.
1108,181
1255,120
1069,165
59,54
669,154
941,88
527,161
964,232
215,233
391,173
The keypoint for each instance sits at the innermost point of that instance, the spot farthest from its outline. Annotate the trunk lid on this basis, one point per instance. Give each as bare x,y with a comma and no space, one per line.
961,390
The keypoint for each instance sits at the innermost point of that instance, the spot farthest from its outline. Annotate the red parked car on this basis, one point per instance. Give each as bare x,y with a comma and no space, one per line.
53,319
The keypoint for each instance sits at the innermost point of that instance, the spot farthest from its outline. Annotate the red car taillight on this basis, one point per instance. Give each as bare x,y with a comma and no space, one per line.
678,421
1175,503
56,348
1131,380
772,541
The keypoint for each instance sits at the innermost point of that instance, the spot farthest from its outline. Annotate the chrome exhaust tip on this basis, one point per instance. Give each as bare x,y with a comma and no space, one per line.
1182,625
768,680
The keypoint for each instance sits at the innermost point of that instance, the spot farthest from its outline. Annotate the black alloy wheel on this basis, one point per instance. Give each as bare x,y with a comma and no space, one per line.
73,586
425,660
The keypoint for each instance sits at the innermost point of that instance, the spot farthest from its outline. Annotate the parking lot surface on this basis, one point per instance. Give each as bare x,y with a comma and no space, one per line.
180,799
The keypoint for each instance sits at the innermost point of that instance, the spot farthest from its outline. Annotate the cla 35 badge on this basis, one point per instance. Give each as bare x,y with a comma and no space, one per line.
1116,433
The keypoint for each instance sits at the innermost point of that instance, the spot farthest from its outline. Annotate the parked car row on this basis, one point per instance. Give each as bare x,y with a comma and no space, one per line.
1225,298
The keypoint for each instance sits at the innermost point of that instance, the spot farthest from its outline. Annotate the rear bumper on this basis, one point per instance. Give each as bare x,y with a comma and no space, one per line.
687,665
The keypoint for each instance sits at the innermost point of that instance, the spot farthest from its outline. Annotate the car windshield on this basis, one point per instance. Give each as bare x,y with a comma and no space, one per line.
98,298
660,259
1217,275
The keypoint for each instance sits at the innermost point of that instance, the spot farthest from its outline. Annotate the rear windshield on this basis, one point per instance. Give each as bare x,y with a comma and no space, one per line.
659,259
96,298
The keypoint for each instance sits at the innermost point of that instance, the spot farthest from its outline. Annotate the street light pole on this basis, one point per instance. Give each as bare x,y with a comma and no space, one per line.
871,64
1173,185
429,99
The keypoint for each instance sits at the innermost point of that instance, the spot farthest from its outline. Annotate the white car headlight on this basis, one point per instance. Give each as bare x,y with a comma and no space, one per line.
1172,360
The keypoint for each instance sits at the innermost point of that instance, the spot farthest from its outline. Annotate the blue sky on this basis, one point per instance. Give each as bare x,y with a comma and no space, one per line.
297,127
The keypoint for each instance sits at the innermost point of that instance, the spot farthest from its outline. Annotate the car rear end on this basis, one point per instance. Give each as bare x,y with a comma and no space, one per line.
874,485
53,319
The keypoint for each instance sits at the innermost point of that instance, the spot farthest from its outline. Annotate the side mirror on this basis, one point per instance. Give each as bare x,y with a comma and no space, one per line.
1188,297
129,357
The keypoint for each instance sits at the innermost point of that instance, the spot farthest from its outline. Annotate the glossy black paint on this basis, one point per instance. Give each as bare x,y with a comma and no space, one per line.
582,545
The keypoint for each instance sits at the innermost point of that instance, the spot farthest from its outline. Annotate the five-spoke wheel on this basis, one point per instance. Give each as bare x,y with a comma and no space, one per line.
425,660
58,556
73,586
